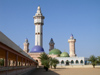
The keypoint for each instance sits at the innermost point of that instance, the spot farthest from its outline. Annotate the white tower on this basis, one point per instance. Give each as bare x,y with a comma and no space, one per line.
72,46
51,44
26,46
38,21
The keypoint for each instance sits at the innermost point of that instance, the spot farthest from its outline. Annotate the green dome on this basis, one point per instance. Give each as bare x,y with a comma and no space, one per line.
55,52
64,54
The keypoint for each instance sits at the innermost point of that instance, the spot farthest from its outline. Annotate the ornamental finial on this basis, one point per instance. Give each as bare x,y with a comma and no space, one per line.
71,36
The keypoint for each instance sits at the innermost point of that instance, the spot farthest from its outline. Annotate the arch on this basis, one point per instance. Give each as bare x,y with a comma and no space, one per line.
62,62
77,61
72,62
36,60
67,62
81,61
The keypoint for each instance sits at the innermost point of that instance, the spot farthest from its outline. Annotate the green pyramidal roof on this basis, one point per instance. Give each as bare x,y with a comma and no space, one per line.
55,52
64,54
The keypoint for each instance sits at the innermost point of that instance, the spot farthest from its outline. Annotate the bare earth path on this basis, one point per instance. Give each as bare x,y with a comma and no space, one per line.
69,71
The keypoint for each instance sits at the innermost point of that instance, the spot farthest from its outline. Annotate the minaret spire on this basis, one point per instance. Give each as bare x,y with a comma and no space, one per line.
51,44
39,9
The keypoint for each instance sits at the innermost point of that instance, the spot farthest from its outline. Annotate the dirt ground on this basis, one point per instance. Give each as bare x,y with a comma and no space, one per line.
68,71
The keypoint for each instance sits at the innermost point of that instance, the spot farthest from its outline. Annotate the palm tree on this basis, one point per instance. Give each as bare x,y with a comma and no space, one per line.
98,59
44,60
93,60
47,61
43,56
54,62
50,63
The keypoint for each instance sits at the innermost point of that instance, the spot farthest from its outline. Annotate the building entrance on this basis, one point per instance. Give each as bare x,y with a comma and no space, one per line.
67,62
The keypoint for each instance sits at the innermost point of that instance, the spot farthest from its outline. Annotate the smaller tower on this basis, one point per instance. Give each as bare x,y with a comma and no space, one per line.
26,46
72,46
51,44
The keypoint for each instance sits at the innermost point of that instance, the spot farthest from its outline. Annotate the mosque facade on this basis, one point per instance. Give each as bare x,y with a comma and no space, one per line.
63,57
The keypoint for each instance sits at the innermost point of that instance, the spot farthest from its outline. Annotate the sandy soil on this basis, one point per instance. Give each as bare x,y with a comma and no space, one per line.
69,71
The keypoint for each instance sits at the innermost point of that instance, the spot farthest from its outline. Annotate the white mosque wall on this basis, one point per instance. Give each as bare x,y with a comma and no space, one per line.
76,60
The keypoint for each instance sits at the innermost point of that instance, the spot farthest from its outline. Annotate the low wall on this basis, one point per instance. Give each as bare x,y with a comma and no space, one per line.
78,66
17,71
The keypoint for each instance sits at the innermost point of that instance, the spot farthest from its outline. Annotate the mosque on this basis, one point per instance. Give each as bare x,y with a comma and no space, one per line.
63,57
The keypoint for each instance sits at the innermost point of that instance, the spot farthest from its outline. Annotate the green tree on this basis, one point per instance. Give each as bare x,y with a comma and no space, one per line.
58,55
93,60
1,62
54,62
47,61
98,59
44,60
50,63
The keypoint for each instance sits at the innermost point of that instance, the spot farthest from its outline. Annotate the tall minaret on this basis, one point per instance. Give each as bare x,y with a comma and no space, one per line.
51,44
38,21
72,46
26,46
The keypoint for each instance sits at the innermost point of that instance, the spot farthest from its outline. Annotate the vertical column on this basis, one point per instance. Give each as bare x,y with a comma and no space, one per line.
22,62
13,62
16,60
9,62
25,62
28,62
4,62
6,59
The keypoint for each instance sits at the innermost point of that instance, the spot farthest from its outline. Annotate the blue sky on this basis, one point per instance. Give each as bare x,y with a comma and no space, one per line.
62,17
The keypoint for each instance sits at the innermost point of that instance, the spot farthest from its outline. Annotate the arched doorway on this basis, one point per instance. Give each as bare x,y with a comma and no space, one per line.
67,62
62,62
36,60
81,61
77,62
72,62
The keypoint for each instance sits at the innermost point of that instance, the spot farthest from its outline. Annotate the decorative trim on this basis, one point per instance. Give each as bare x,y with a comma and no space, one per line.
38,23
38,33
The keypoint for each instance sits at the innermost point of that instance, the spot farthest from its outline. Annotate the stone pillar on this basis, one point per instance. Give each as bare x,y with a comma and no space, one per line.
16,60
25,62
13,62
22,62
6,59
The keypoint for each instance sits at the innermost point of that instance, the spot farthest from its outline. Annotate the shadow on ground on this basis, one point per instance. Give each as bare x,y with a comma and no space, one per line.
41,71
59,68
